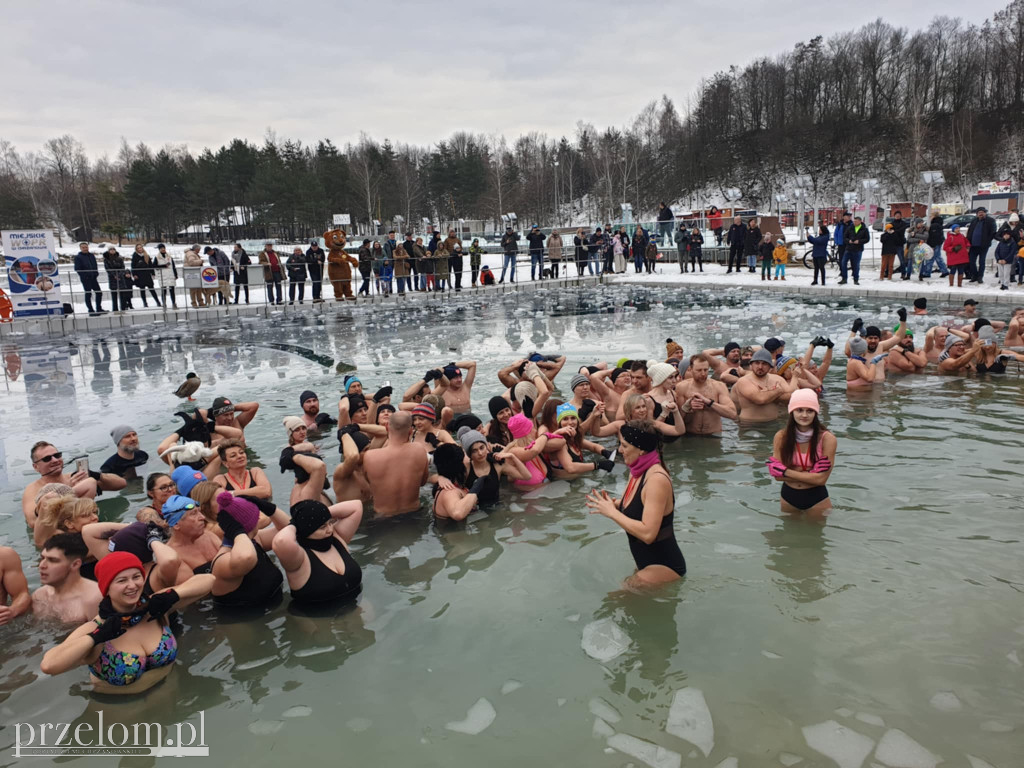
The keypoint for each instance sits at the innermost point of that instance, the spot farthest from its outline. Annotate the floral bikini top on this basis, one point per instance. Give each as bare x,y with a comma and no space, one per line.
124,668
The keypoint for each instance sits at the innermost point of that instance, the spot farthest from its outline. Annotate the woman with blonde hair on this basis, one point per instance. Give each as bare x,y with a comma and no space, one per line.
63,514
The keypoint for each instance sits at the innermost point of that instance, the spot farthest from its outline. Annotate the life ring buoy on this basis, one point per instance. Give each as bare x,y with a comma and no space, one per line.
6,308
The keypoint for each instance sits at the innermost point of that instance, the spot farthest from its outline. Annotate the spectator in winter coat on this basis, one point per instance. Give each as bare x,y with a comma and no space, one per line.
296,275
365,267
88,271
696,250
640,240
838,236
401,259
510,247
240,262
735,238
119,279
682,246
163,262
819,255
899,229
273,273
980,235
193,259
765,249
315,258
651,256
957,249
222,262
420,261
751,241
936,237
554,246
455,264
408,244
855,236
536,240
475,252
441,268
1006,251
377,261
780,256
142,273
579,242
666,222
890,246
594,252
715,224
918,252
619,253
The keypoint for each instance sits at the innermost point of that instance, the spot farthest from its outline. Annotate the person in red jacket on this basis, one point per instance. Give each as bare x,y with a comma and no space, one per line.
957,248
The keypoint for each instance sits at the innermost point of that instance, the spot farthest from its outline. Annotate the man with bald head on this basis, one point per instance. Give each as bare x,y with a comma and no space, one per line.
397,471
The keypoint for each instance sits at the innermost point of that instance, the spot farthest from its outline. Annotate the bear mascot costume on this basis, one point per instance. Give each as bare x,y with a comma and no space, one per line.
339,264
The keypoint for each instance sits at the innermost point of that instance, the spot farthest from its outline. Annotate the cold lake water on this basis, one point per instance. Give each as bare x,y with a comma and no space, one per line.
893,634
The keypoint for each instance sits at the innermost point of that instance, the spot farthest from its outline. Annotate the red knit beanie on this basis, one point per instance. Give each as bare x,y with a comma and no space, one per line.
112,564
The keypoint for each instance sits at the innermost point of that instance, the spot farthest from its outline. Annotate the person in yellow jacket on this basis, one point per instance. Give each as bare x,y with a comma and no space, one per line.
339,264
780,256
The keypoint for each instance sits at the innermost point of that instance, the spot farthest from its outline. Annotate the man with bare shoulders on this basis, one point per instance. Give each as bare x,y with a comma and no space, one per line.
49,463
65,595
877,349
1015,331
759,395
904,358
704,401
397,471
312,416
725,360
12,586
457,395
641,385
960,355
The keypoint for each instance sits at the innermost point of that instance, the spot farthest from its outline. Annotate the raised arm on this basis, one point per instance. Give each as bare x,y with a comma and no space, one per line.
245,413
470,366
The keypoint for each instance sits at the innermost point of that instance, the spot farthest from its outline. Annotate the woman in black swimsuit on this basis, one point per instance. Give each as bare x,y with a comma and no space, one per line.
645,511
451,497
245,575
488,466
313,551
302,458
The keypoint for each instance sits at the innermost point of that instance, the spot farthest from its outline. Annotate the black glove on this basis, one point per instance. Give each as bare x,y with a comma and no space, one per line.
229,525
528,407
552,358
429,376
382,393
94,475
160,603
325,419
609,454
901,313
857,325
431,439
113,627
155,533
818,341
492,457
606,465
478,486
586,409
829,343
348,429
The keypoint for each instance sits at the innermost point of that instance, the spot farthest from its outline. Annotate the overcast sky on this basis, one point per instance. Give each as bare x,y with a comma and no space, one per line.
202,73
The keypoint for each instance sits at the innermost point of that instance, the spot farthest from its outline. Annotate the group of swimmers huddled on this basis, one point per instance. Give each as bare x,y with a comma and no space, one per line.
211,525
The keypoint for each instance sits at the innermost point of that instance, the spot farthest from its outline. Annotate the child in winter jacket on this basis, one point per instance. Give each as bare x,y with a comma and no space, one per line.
486,276
780,256
1005,252
765,248
651,256
890,247
956,247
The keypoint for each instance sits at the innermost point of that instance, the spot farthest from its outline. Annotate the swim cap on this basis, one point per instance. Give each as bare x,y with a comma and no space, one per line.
470,437
496,405
519,426
307,395
616,373
131,538
450,462
576,380
175,508
921,303
109,566
357,403
426,410
622,362
659,372
307,516
858,346
186,478
291,423
762,356
565,409
117,433
804,398
246,513
470,420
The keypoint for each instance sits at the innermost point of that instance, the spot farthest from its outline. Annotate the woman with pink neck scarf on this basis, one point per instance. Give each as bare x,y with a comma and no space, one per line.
646,510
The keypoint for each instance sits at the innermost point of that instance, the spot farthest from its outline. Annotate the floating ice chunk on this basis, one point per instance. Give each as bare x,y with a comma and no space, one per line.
265,727
898,750
977,762
994,726
645,751
359,724
770,655
478,719
604,640
601,708
946,701
788,759
315,651
729,762
509,686
690,719
255,663
843,745
732,549
601,729
573,617
844,712
560,702
298,711
401,552
864,717
1012,656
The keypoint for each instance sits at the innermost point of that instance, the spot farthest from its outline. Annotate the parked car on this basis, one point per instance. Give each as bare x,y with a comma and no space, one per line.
964,220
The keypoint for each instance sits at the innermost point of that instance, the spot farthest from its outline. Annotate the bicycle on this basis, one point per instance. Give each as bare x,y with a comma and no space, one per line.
833,257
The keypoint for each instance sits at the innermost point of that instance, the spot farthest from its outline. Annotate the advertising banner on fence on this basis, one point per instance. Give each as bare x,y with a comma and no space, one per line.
33,276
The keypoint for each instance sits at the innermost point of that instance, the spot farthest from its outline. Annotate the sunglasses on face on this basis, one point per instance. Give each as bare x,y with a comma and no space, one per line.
51,457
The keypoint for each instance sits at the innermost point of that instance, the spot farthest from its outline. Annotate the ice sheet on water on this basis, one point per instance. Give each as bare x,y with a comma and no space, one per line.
690,719
265,727
864,717
478,719
255,663
770,655
315,651
946,701
732,549
300,710
561,702
994,726
645,751
898,750
359,724
729,762
601,729
601,708
844,712
788,759
555,490
604,640
843,745
977,762
509,686
573,617
1012,656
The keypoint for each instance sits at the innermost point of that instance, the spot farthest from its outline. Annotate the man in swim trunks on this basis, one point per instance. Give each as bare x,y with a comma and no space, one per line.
904,358
64,594
457,395
758,396
704,401
128,456
397,471
312,416
13,586
49,463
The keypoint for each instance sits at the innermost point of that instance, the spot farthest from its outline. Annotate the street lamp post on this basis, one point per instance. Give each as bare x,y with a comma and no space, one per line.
557,219
801,182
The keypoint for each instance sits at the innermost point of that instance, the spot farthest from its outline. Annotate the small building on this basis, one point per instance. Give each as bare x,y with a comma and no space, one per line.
908,210
997,202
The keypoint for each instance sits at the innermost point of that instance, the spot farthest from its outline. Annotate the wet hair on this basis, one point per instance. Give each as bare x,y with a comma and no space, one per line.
449,460
224,445
37,446
638,365
71,544
788,445
151,481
